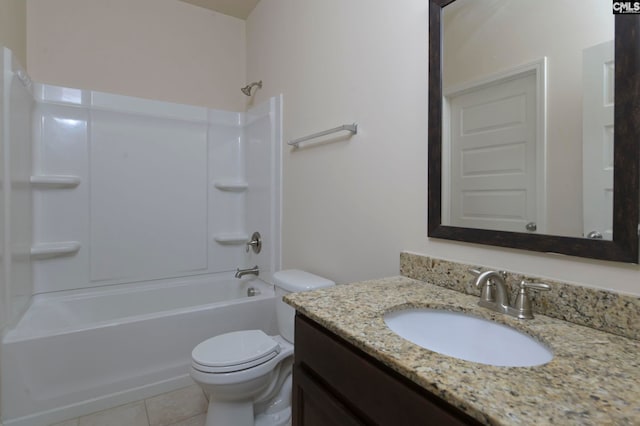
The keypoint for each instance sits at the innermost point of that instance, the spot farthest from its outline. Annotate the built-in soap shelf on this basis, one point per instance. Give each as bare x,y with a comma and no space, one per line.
48,250
231,239
231,186
55,181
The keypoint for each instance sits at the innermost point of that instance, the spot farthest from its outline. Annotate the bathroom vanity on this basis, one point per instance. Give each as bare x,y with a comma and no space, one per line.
335,383
350,368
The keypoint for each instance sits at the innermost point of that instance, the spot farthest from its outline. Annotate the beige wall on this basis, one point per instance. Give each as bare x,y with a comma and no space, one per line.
475,46
350,207
160,49
13,28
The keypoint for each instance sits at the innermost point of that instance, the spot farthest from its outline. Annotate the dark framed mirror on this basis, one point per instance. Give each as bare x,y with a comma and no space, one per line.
622,245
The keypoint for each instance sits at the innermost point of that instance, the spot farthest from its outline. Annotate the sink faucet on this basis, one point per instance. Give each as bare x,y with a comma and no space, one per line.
249,271
495,287
495,294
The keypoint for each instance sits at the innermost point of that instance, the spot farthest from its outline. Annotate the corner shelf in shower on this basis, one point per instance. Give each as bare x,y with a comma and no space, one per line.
231,186
55,181
48,250
231,239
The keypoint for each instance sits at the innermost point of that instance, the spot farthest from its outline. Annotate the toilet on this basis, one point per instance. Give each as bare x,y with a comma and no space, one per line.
247,374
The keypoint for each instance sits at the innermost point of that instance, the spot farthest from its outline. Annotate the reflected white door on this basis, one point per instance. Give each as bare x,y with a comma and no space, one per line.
597,139
492,158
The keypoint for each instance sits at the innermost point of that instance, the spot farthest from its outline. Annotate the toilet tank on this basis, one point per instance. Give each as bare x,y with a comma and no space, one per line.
293,281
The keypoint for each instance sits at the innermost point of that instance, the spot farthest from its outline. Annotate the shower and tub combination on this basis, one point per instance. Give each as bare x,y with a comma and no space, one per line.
142,211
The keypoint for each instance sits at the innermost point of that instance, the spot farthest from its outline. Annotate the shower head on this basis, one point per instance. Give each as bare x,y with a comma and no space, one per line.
247,89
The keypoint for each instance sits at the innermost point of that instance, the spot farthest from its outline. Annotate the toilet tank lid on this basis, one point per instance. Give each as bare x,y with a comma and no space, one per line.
294,280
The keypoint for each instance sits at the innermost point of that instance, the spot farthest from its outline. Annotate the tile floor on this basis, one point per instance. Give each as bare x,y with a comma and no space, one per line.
182,407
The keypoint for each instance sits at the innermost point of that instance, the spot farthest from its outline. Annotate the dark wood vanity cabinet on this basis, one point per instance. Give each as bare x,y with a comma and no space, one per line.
335,383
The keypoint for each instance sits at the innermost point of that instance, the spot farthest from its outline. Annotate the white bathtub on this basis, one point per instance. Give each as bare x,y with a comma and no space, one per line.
81,352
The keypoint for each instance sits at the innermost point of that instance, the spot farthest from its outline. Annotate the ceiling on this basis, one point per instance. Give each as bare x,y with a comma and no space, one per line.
238,8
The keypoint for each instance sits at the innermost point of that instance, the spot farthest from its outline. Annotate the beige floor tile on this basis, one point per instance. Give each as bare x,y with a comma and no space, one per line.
126,415
72,422
176,406
193,421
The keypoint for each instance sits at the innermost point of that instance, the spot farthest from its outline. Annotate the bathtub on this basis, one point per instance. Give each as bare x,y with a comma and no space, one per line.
80,352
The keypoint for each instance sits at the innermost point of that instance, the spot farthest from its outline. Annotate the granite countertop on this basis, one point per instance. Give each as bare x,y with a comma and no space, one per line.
593,379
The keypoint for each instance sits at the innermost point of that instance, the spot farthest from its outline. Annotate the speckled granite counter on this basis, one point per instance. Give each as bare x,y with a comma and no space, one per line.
594,378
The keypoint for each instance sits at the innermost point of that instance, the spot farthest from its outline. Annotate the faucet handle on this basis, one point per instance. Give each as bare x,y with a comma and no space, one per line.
522,303
535,286
255,243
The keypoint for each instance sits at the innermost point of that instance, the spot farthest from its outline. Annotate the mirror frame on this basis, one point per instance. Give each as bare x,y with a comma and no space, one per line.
626,179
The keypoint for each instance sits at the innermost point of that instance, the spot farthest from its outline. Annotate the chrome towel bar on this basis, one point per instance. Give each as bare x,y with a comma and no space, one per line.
353,128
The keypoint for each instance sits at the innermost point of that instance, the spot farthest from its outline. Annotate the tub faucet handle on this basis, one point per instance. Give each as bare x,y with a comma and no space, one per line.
255,243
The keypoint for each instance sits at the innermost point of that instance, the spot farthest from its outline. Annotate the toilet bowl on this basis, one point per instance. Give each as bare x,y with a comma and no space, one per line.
247,374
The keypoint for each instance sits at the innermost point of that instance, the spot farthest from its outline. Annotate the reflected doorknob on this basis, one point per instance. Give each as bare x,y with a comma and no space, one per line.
594,235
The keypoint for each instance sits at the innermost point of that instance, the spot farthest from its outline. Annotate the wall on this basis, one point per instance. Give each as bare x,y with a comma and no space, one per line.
157,49
475,47
350,207
13,28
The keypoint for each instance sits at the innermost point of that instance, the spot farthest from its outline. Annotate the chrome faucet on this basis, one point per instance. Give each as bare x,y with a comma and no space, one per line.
249,271
495,294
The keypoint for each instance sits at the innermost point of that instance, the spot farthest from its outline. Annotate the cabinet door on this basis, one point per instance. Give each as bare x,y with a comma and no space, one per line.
314,406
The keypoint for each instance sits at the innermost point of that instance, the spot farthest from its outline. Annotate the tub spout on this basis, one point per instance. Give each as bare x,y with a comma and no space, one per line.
250,271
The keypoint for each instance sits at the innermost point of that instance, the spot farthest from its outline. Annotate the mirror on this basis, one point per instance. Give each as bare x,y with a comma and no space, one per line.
482,80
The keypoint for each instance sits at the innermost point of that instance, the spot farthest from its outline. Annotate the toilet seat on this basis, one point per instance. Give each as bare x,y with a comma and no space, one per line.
235,351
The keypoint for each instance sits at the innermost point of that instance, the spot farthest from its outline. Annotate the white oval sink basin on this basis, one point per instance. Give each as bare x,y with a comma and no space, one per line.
467,337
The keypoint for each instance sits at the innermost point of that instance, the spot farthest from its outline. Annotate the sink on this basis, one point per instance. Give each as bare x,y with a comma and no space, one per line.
468,337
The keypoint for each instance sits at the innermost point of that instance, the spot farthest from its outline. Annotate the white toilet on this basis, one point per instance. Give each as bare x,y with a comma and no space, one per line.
247,374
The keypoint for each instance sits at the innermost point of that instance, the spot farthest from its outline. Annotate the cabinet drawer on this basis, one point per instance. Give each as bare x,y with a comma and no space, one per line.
369,389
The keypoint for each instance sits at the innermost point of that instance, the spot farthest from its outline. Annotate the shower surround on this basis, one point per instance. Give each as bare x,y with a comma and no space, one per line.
136,212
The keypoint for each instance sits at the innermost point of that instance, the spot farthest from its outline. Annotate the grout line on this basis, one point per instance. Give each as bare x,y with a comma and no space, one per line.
146,411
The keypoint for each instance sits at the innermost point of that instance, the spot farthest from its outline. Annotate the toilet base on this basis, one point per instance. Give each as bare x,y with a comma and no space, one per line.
277,411
281,418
